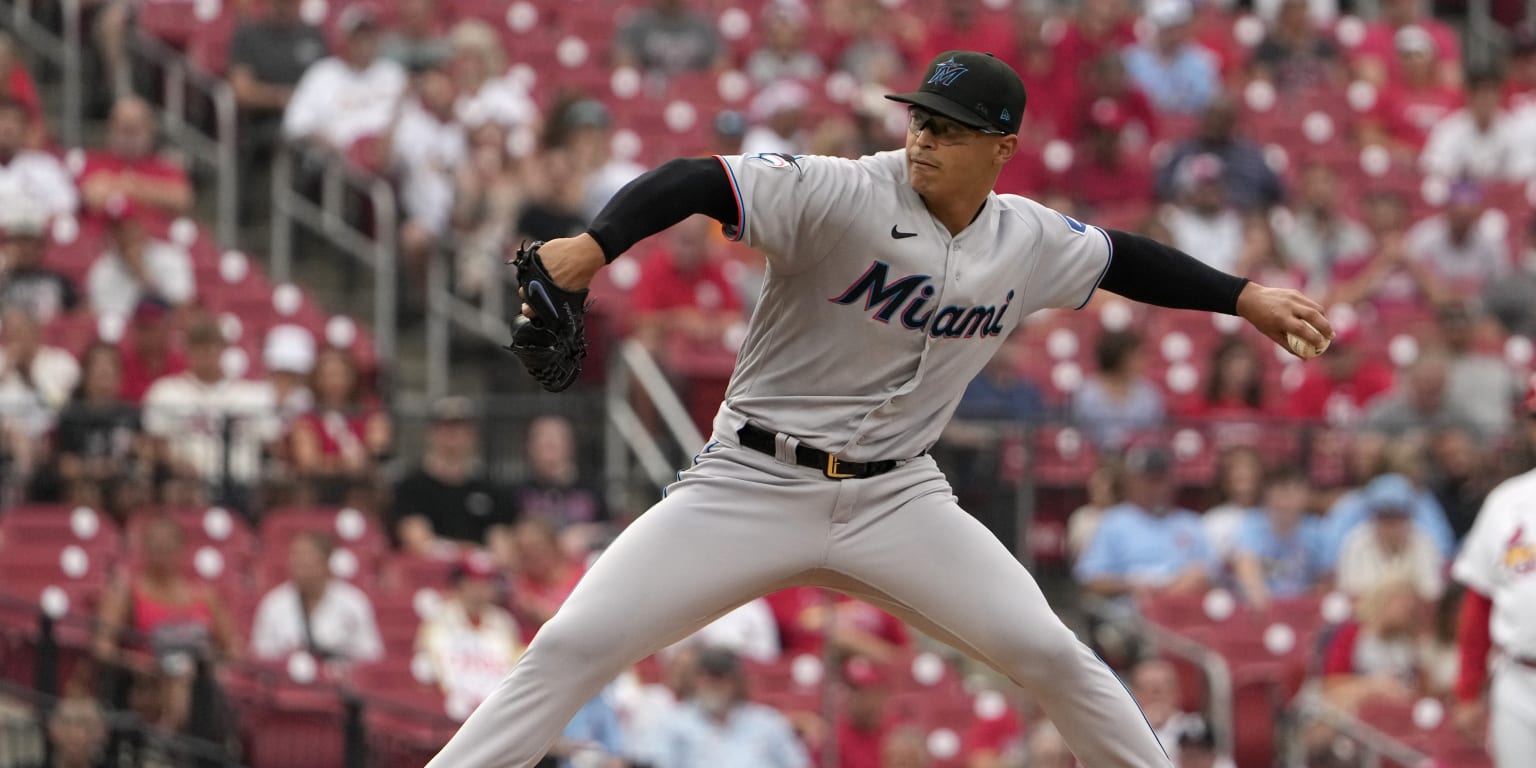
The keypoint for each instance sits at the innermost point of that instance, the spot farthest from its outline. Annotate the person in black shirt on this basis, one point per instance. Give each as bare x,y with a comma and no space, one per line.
554,491
267,56
447,502
103,456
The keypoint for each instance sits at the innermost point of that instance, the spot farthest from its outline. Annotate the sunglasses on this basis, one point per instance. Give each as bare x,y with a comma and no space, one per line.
943,129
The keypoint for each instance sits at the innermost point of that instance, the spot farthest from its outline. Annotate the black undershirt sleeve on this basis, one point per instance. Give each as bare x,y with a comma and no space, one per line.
1144,270
661,197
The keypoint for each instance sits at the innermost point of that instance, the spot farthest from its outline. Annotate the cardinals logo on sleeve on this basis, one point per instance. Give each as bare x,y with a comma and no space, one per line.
1519,557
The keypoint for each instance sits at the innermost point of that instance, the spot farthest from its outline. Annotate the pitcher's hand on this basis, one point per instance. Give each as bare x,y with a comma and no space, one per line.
1278,311
571,262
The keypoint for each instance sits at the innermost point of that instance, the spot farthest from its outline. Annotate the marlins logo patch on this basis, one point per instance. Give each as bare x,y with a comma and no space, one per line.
777,159
947,72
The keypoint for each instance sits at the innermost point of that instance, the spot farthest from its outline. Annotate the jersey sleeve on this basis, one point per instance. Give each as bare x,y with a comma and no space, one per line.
1072,259
1477,564
795,209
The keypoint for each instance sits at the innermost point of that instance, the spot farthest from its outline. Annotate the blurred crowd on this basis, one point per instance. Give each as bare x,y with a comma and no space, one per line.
1291,142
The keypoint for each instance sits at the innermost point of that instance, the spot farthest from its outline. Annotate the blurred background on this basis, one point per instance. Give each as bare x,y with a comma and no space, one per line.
271,496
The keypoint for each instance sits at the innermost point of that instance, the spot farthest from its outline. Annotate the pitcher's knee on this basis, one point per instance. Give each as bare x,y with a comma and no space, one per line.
1042,655
565,647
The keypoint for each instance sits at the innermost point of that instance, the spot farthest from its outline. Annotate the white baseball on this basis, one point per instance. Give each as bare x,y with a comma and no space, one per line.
1302,348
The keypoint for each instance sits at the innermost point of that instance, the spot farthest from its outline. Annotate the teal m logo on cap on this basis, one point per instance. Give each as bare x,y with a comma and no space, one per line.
947,72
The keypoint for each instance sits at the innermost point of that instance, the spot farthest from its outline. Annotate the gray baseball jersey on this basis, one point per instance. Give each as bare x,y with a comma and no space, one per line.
872,321
873,318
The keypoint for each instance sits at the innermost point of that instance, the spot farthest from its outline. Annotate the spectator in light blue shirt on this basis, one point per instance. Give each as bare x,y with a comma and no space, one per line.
719,728
1146,545
1355,508
1176,73
594,734
1279,549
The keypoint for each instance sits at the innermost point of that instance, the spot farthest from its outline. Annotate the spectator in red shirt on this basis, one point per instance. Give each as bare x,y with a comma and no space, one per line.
543,576
1109,172
959,27
129,170
994,742
148,352
1337,386
1373,59
808,616
862,729
684,303
1033,53
1100,27
16,82
1410,104
338,444
1106,90
1376,656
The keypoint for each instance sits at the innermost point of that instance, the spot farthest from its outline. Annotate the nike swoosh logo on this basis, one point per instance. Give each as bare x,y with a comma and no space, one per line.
900,235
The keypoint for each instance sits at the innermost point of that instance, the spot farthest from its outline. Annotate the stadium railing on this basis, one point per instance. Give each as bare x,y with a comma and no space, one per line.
331,218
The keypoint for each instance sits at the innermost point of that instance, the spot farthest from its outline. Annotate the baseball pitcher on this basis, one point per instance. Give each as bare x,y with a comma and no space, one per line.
891,280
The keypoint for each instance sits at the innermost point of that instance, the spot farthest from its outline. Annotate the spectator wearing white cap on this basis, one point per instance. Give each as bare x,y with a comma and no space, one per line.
779,114
1374,60
350,96
1176,73
288,354
783,54
1410,104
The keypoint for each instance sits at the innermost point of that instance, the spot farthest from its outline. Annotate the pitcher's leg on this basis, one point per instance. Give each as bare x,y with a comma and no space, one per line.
1512,716
711,545
931,556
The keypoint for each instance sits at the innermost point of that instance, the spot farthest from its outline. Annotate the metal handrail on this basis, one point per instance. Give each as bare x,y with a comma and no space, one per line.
1218,676
627,436
328,219
1308,706
64,51
218,150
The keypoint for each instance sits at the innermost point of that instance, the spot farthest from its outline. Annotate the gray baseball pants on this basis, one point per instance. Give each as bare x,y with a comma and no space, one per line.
739,524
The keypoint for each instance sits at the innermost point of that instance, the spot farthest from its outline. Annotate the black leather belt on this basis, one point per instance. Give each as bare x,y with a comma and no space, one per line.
762,441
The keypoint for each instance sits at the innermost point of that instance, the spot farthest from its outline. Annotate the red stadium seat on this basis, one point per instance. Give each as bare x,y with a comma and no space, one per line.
1062,456
296,726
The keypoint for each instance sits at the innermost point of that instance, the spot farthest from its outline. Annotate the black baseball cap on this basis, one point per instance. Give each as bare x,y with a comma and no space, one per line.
974,89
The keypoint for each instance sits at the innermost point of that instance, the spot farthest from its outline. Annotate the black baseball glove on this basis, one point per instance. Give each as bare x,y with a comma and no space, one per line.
552,344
